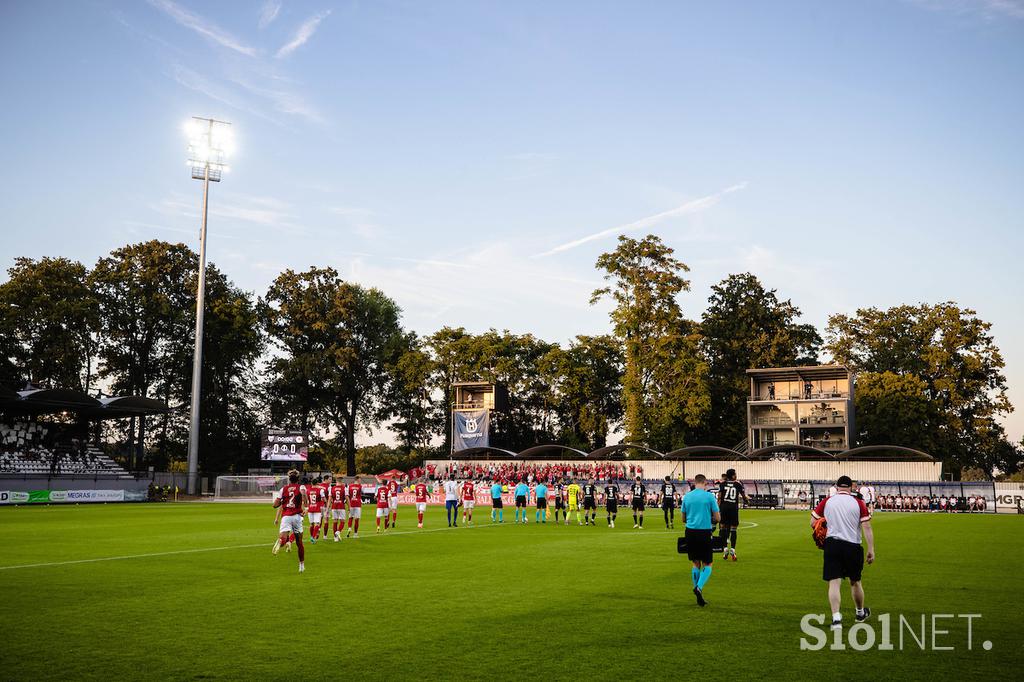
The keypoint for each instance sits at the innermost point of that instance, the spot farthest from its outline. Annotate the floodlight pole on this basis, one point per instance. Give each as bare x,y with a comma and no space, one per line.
197,353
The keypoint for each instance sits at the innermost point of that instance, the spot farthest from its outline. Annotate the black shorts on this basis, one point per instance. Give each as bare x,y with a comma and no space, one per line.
559,503
698,545
638,505
730,515
612,506
842,560
496,503
542,503
589,503
668,504
520,500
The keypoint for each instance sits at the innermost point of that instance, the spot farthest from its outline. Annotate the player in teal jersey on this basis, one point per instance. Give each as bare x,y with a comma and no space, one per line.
542,503
497,507
522,495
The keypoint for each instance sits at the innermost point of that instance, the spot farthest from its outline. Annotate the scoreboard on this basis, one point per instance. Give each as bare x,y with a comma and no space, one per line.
284,445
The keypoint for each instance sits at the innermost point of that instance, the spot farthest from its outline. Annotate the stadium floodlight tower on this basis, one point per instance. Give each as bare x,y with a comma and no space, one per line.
209,143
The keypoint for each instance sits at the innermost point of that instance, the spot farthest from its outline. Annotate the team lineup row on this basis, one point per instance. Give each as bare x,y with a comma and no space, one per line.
340,505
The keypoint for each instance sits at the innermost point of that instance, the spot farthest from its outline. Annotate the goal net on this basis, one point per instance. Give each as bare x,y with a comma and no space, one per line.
248,488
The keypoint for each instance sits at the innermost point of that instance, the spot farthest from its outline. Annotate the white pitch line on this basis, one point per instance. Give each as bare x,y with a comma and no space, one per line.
264,544
203,549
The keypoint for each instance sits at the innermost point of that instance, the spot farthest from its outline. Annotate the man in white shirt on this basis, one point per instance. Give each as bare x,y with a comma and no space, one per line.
844,555
451,501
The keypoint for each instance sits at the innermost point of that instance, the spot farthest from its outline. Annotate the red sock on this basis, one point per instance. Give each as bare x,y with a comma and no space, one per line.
302,550
378,523
420,517
291,537
357,526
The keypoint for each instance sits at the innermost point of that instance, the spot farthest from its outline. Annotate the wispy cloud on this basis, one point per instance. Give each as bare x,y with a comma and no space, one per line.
269,12
532,156
202,27
693,206
989,9
193,80
303,34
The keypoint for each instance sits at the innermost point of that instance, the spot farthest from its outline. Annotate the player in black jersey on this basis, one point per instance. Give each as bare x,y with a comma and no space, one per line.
560,501
729,495
611,502
590,503
668,502
639,492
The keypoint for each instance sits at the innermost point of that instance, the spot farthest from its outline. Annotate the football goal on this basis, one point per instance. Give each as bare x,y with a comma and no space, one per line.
260,488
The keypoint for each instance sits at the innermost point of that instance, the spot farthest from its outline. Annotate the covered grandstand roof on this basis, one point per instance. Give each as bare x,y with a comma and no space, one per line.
610,451
547,448
53,400
810,372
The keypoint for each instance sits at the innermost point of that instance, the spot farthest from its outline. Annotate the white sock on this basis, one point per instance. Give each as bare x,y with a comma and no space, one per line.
860,612
837,616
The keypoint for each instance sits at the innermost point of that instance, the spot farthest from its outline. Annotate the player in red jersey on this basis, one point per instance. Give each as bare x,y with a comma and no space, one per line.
317,498
383,495
421,502
293,501
393,490
468,502
336,500
355,506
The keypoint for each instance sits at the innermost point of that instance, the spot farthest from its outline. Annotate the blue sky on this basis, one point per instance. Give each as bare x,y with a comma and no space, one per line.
472,159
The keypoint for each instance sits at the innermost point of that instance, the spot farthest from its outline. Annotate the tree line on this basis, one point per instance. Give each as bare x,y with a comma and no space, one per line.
332,356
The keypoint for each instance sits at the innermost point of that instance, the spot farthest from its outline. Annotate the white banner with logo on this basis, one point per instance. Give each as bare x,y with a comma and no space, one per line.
13,497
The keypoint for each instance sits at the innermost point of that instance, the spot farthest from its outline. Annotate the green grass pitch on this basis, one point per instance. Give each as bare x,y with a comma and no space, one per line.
192,592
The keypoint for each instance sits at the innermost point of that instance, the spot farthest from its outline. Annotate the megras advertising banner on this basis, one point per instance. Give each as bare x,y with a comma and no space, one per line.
58,496
1009,496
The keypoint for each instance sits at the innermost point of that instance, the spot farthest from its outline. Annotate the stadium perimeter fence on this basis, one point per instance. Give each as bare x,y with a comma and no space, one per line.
761,494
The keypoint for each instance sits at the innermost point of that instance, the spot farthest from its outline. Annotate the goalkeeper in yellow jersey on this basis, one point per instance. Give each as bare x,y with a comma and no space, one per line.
573,492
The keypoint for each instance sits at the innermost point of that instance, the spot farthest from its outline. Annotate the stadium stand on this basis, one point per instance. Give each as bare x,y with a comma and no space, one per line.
49,449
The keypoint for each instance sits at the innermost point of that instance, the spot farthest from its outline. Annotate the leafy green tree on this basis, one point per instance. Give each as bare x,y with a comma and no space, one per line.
664,386
146,315
336,342
893,409
376,459
952,352
511,360
147,294
746,326
411,396
53,317
449,349
587,381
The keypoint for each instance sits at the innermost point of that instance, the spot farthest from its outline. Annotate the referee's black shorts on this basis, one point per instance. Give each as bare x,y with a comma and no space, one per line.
730,515
497,503
698,545
520,500
842,560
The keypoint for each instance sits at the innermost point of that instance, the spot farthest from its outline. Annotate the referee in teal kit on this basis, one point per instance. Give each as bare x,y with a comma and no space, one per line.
700,512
